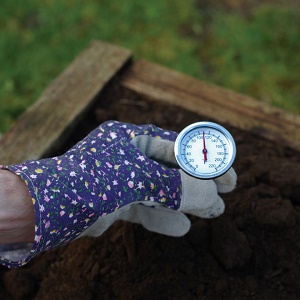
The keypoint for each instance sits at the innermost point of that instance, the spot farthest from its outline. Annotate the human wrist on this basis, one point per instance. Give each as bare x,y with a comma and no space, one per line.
16,209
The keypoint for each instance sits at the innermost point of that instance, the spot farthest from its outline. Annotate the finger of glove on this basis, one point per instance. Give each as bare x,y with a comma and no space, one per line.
158,219
200,197
157,149
197,194
227,182
211,212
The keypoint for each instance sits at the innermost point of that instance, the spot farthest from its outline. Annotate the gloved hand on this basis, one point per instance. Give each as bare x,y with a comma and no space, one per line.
198,197
119,171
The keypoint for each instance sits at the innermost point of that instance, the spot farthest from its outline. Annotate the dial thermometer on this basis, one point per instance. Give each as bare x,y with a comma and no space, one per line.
205,150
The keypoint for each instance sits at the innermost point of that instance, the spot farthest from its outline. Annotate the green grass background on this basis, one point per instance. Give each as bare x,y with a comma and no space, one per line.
253,50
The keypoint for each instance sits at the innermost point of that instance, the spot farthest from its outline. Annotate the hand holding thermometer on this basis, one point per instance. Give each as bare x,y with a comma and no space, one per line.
205,150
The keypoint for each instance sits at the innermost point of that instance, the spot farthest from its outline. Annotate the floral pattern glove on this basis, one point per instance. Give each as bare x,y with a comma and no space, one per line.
119,171
101,174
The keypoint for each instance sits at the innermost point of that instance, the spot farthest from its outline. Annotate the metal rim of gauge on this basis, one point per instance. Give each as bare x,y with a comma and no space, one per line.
195,126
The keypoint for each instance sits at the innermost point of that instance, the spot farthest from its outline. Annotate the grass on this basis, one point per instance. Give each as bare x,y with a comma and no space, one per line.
257,55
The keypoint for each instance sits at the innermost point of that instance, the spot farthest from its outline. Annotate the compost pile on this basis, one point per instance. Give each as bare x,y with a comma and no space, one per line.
251,252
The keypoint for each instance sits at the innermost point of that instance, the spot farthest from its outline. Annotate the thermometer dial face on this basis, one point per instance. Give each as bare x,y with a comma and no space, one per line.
205,150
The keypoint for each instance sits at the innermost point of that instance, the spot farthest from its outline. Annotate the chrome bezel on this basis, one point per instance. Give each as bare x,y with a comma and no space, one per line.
186,131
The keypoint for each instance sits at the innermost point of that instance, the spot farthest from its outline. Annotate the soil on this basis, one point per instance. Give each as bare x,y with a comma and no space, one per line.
252,251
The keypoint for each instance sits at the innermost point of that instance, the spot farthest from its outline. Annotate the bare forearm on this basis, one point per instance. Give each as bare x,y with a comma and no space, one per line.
16,210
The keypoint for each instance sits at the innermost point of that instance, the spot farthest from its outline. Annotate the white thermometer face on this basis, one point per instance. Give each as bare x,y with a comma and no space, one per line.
205,150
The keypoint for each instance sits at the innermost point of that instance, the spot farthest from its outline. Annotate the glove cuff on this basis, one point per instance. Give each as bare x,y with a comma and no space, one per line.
60,214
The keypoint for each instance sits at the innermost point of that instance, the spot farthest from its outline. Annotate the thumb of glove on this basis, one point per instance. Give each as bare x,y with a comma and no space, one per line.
158,149
227,182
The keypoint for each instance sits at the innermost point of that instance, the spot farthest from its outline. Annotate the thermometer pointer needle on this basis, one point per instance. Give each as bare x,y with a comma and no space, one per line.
204,151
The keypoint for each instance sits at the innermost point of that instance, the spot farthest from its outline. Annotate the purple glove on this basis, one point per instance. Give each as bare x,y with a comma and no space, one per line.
105,177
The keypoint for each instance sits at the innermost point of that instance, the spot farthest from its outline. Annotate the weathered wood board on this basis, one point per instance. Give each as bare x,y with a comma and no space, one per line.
45,125
48,122
162,84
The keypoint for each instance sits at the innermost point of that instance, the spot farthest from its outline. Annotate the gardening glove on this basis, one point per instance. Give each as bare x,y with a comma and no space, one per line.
199,197
119,171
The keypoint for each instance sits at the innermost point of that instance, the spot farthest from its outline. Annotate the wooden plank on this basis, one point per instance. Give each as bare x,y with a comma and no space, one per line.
213,102
46,123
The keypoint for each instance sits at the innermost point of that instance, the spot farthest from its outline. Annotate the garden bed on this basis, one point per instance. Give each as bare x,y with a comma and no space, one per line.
251,252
